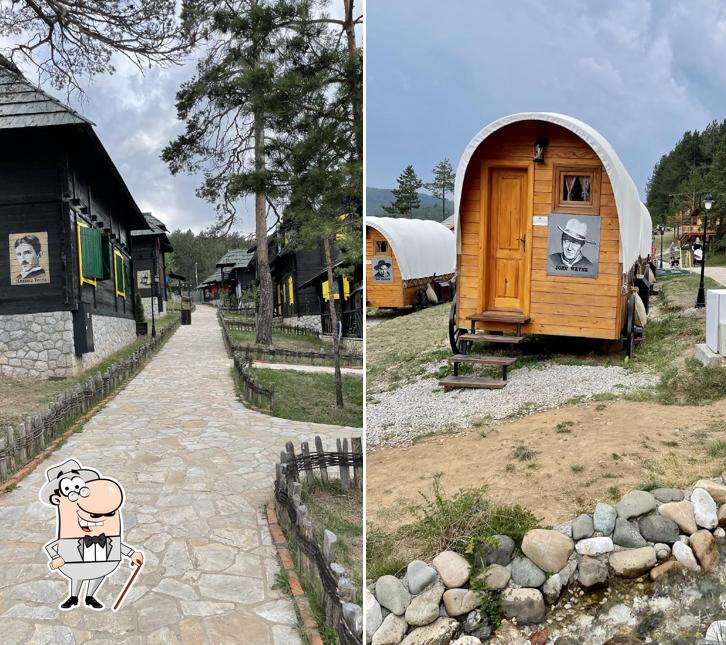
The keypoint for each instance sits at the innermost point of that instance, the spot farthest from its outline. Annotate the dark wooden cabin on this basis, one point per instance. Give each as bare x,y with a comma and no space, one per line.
149,247
66,216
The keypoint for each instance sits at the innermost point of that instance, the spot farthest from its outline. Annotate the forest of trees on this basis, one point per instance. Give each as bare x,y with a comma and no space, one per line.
696,165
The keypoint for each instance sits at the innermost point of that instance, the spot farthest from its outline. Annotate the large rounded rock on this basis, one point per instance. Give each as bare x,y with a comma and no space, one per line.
526,605
662,551
501,554
716,491
704,509
453,569
656,528
392,595
459,601
592,573
627,534
526,573
420,575
666,569
424,608
635,503
681,513
374,617
666,495
634,562
594,546
391,632
582,527
549,550
439,632
705,548
495,577
467,639
603,518
682,552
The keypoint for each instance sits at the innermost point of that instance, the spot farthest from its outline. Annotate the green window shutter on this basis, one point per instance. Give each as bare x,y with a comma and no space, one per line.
91,252
127,279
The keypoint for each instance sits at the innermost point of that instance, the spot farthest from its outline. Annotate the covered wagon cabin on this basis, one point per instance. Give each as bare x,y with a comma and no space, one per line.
552,239
403,256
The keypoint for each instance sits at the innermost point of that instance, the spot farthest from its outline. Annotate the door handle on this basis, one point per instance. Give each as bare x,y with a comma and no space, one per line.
523,240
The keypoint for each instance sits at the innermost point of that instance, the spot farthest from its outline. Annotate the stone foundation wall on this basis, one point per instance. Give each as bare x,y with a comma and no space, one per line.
41,345
147,307
311,323
347,345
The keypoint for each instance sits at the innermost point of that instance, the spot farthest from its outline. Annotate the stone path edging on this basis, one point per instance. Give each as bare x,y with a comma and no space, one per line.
299,599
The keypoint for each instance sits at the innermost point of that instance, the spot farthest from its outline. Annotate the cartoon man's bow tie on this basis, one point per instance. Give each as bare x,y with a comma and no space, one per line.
88,540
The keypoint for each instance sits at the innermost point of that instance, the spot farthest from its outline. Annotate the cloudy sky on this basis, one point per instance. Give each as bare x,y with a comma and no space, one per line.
640,72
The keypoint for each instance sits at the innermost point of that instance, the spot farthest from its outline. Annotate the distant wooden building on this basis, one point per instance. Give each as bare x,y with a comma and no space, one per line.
149,247
66,216
236,269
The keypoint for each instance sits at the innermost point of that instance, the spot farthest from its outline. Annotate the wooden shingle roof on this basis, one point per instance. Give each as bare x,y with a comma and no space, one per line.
23,105
236,259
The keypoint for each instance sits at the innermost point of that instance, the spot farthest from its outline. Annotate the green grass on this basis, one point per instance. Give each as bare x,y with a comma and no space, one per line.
332,507
564,427
522,453
300,342
716,449
307,396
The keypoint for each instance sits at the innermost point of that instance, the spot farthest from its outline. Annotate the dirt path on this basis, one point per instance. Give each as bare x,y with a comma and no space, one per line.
582,453
196,466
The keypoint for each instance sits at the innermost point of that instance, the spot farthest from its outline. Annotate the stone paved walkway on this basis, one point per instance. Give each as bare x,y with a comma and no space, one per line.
196,466
715,273
318,369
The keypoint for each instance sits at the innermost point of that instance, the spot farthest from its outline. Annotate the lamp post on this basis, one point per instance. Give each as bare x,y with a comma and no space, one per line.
661,230
707,205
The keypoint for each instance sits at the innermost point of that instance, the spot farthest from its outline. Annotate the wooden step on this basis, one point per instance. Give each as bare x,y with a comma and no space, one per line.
492,338
500,361
472,382
500,316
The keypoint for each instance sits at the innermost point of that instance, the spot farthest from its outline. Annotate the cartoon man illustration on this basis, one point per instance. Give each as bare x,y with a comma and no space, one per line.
88,545
28,251
382,271
574,238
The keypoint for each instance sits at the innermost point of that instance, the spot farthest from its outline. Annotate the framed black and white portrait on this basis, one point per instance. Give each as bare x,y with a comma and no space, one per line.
28,258
573,245
382,269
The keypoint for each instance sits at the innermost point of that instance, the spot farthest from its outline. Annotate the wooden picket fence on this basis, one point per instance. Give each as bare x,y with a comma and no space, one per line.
20,444
315,561
255,394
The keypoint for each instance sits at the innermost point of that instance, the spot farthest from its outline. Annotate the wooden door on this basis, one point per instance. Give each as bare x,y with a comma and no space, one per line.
506,265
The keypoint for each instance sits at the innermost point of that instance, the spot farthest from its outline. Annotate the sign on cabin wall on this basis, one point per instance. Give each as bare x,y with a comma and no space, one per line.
143,279
28,258
573,245
382,269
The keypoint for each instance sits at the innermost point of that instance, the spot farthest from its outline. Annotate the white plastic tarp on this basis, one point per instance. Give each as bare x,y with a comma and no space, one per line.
634,219
422,247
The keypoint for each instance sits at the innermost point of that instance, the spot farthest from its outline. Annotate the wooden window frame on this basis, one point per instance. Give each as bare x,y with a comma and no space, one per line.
381,246
120,293
84,279
585,208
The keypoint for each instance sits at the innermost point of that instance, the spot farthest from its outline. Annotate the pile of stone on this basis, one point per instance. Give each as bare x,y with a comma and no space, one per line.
665,531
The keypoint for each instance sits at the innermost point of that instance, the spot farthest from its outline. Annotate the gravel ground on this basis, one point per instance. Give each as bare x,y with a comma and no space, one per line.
398,417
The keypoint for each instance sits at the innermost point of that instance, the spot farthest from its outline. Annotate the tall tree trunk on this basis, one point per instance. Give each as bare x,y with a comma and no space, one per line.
355,82
264,313
333,322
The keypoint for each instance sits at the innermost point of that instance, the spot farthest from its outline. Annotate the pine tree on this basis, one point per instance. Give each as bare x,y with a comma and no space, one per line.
406,195
443,182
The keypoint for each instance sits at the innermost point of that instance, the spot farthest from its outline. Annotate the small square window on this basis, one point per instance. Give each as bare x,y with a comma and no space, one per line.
381,246
576,188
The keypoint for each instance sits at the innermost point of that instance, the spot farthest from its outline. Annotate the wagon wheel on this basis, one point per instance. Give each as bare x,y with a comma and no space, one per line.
419,300
457,346
630,327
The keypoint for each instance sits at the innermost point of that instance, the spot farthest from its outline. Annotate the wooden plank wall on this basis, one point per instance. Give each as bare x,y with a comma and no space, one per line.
562,306
391,294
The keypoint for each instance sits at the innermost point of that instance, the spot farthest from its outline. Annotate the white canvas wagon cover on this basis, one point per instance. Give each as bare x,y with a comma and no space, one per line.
633,217
422,247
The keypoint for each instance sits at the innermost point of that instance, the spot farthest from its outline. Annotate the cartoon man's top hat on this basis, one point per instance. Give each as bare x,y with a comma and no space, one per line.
577,230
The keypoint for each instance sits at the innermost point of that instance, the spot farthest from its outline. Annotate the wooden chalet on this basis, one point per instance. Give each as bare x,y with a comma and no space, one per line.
66,216
149,247
552,239
236,270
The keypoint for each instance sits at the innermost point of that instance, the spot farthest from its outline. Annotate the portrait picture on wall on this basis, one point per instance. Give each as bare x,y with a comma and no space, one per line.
573,245
28,258
143,279
382,269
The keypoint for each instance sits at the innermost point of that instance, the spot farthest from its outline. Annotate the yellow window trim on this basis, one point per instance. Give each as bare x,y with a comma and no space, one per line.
122,291
84,279
290,290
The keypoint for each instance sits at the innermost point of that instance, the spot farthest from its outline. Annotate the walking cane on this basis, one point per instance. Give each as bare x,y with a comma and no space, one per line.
127,587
